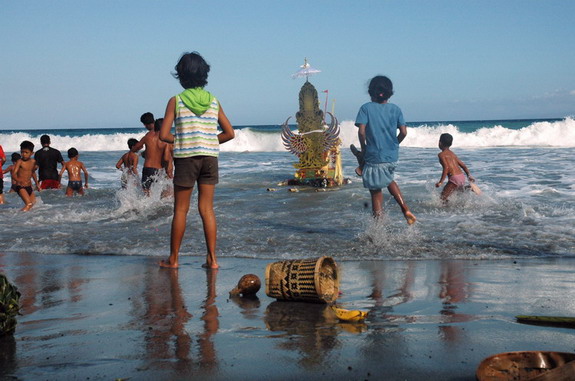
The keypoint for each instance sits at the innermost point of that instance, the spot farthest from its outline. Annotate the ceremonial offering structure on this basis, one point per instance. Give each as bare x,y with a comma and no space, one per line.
316,144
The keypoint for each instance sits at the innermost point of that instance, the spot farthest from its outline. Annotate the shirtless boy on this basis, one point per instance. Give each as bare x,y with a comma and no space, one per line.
25,171
452,168
155,151
15,157
128,163
73,166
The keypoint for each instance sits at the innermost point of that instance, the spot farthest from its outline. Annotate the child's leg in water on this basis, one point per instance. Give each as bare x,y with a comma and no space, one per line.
376,202
393,188
28,203
447,191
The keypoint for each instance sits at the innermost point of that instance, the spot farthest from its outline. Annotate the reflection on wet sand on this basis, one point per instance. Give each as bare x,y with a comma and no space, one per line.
454,289
168,325
310,329
399,283
208,356
249,304
165,316
390,287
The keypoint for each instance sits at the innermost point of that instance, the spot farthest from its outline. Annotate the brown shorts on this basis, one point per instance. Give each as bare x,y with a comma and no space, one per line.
200,169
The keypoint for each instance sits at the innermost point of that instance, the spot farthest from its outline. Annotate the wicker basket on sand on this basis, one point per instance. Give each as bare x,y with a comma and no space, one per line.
307,280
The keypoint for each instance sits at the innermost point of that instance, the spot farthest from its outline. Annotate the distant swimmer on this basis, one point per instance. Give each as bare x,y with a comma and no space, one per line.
197,114
47,159
128,163
25,171
452,169
74,167
378,122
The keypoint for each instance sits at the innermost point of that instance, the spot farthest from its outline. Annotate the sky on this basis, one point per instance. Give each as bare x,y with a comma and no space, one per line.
101,64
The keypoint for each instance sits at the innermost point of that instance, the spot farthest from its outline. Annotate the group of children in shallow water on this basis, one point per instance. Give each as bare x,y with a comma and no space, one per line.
192,151
24,167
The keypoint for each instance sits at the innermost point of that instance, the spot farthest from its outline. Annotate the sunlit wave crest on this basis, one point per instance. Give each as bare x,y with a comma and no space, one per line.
559,133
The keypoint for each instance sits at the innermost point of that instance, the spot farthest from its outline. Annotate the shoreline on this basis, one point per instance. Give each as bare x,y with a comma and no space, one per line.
108,316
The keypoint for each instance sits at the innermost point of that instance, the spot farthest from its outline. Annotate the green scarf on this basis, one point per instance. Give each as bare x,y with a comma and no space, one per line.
197,100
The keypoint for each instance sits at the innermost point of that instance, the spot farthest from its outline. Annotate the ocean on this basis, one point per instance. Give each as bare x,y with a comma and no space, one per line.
524,168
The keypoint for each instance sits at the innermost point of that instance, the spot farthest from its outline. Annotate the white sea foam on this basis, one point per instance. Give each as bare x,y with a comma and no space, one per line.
539,134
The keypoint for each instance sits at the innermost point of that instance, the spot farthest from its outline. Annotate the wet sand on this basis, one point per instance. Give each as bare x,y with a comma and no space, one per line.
110,317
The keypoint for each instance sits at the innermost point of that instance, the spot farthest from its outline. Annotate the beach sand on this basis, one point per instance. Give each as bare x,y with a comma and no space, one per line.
120,317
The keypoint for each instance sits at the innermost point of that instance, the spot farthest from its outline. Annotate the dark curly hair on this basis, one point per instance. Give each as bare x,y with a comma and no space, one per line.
380,88
192,71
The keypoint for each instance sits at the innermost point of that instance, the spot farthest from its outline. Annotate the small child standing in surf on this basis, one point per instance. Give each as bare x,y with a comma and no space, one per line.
74,167
25,172
196,114
128,164
378,122
452,169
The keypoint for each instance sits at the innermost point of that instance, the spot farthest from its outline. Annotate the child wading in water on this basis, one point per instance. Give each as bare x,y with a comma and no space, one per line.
15,157
73,166
452,167
129,161
197,114
25,171
378,122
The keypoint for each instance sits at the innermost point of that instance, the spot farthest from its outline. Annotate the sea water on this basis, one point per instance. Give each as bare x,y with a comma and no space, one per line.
523,167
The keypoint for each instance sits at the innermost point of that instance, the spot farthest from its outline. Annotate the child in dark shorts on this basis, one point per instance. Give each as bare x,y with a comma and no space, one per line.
14,158
196,114
74,167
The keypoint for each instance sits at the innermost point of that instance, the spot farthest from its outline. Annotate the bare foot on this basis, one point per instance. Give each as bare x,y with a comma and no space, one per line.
27,207
210,266
410,217
168,264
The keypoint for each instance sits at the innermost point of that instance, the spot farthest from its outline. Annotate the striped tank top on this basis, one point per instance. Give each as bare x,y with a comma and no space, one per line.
196,135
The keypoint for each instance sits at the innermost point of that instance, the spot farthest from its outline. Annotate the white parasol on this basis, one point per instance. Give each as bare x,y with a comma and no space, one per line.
306,71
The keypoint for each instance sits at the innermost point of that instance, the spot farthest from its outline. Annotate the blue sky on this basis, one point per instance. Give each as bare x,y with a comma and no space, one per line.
67,64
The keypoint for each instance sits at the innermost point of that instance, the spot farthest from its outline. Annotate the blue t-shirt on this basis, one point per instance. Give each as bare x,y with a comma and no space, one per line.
382,121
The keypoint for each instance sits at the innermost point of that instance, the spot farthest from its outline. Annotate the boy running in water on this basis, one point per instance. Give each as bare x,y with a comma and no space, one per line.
452,168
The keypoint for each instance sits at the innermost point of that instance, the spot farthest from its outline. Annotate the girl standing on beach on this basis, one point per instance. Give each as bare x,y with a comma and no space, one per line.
378,122
197,114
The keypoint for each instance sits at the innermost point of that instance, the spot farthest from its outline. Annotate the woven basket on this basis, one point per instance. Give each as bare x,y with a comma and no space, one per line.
307,280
